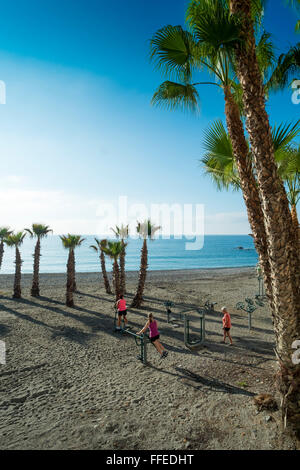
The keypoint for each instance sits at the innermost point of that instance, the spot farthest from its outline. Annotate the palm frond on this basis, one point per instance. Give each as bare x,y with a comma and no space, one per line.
15,239
113,249
71,241
265,54
173,95
284,134
172,49
287,69
213,24
147,229
5,232
218,161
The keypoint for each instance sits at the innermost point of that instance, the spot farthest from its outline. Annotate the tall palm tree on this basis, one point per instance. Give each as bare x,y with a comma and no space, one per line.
114,250
146,231
283,241
4,233
39,231
122,233
16,240
179,53
99,248
70,242
232,33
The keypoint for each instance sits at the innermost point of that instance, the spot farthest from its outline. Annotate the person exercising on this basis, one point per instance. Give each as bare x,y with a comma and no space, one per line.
122,312
226,325
154,335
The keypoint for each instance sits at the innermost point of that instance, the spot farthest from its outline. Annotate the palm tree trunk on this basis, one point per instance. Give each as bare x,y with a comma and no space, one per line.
104,273
116,273
70,280
1,252
283,245
17,283
35,289
138,298
248,186
295,217
122,270
74,288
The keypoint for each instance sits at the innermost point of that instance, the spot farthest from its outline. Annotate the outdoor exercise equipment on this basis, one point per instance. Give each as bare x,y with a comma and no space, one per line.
185,315
208,307
194,344
140,340
251,306
261,288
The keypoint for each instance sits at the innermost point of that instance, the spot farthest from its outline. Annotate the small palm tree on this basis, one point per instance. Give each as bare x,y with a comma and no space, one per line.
122,233
4,233
70,242
16,240
99,248
114,250
39,231
146,230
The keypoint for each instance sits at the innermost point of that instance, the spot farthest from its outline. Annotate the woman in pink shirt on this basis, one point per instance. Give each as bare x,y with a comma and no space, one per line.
226,325
121,306
154,335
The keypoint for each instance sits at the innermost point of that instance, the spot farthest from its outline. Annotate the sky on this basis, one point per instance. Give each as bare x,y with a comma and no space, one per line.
78,132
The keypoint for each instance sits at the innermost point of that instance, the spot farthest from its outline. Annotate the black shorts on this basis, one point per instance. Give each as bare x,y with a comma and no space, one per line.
226,329
124,313
154,338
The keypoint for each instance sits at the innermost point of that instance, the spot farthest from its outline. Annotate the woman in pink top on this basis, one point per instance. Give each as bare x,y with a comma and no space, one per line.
154,335
226,325
121,306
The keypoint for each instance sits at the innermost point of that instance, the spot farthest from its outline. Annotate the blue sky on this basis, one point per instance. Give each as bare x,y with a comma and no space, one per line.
77,130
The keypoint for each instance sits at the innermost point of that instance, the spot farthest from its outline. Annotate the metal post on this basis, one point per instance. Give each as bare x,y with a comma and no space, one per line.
249,320
143,350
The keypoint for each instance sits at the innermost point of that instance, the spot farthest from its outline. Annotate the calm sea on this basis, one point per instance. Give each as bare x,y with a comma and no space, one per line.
218,251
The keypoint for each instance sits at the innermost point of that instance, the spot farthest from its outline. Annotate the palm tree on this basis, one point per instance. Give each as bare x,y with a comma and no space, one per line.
232,33
114,250
283,246
181,53
70,242
146,230
99,248
16,240
122,233
4,233
39,231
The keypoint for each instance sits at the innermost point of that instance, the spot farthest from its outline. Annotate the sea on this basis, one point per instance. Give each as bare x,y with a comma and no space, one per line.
215,251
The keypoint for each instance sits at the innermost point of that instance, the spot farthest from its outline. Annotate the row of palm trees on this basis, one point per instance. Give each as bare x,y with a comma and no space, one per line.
225,38
15,240
115,250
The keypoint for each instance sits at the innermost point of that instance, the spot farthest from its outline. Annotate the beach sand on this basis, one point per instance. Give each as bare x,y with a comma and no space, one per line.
71,382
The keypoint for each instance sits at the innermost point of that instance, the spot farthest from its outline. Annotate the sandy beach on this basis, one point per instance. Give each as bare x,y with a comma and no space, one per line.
71,382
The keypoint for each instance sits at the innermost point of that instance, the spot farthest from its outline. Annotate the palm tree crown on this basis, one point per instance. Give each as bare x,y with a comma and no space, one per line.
38,230
15,239
70,242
